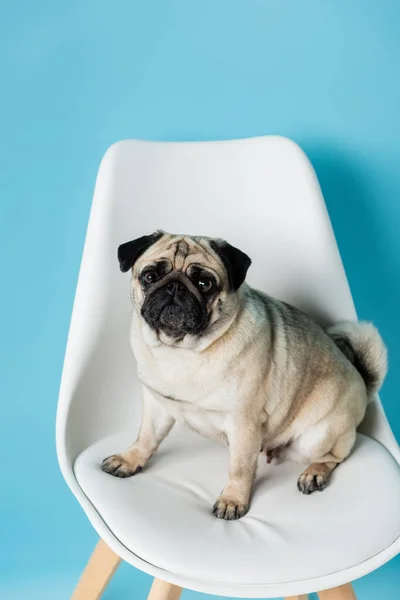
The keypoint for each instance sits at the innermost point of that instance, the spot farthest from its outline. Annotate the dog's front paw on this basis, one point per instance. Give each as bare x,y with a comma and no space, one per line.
315,478
121,466
228,509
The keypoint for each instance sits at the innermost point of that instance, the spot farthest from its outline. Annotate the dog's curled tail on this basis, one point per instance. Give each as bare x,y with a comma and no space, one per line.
362,344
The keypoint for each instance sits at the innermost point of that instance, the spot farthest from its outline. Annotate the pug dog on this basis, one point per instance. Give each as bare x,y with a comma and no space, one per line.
241,367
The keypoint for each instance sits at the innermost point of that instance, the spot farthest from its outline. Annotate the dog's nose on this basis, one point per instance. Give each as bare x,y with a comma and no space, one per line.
175,288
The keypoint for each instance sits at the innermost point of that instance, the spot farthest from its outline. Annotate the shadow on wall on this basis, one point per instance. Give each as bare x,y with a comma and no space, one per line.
372,269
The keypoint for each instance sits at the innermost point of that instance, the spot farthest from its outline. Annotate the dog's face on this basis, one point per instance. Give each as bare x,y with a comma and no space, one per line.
183,285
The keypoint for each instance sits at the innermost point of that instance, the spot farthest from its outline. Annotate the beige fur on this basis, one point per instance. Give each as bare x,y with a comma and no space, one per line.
263,375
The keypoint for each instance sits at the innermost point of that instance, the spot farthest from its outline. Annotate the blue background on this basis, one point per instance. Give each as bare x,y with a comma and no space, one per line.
77,76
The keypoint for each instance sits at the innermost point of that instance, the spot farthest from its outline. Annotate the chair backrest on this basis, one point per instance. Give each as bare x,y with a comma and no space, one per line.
260,194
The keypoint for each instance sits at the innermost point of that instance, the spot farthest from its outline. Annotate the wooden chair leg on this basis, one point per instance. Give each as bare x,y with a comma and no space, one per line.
343,592
161,590
101,567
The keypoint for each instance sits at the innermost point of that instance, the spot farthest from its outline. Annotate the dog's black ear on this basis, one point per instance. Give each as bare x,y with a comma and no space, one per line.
235,262
129,252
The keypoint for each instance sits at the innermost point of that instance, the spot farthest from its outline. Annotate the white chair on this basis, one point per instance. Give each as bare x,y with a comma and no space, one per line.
262,195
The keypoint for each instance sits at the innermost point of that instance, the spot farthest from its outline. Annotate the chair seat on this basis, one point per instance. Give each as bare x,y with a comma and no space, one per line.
163,515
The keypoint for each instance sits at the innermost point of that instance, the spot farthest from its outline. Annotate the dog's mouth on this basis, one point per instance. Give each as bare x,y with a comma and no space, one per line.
174,321
175,316
172,317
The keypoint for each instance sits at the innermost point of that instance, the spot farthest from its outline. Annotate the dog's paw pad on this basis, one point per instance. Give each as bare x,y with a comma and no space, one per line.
118,466
230,510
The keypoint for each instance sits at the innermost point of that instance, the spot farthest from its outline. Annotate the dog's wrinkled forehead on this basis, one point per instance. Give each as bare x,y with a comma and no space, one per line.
227,262
181,252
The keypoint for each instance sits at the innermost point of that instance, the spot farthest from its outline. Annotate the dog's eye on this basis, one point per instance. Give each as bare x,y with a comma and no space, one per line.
150,277
205,284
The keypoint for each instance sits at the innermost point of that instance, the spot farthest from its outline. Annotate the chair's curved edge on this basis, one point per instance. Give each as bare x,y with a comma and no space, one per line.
284,142
272,590
72,368
116,146
378,428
